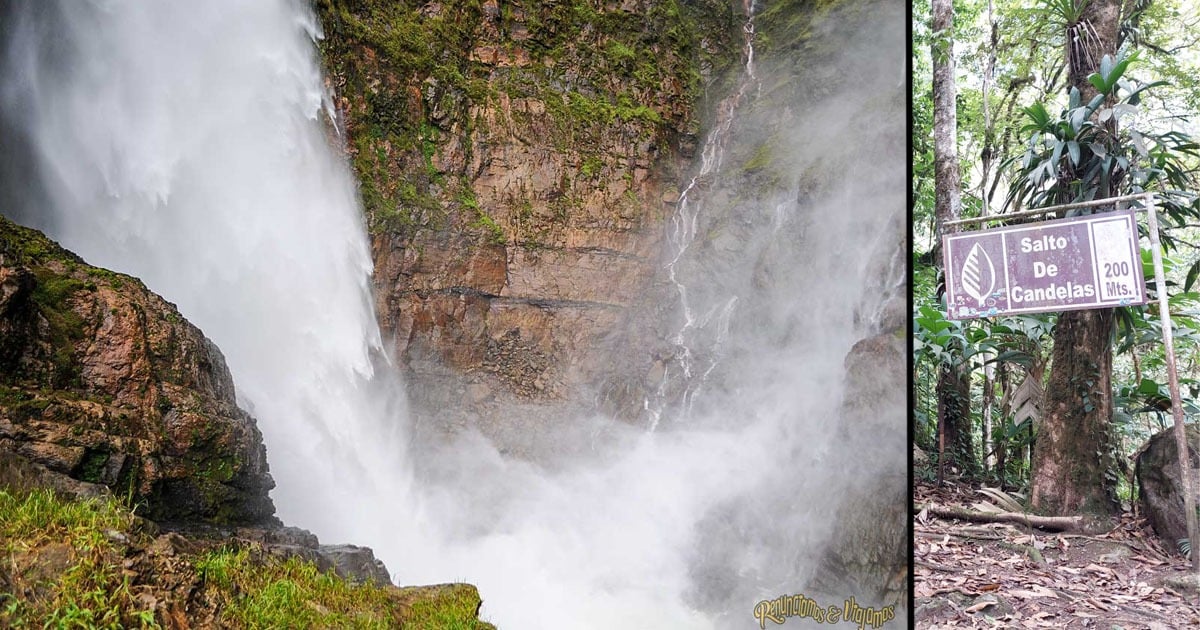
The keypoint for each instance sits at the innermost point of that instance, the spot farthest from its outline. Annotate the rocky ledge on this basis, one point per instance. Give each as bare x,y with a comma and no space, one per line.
104,382
110,400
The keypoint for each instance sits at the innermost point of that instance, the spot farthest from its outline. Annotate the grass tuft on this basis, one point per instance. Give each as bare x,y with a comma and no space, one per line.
71,538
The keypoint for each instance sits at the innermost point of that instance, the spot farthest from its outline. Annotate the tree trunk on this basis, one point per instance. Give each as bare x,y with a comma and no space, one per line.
947,186
954,414
954,382
1073,451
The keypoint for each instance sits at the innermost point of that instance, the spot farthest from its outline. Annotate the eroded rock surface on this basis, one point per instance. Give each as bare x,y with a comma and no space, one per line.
517,162
869,551
104,382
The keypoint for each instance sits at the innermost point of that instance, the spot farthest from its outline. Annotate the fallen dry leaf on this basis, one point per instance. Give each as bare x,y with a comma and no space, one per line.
980,605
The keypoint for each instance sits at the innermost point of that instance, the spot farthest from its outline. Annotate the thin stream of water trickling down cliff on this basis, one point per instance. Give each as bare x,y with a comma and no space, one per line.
682,228
200,164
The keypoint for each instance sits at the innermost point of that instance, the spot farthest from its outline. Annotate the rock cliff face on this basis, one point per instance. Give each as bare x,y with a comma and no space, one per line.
103,381
517,161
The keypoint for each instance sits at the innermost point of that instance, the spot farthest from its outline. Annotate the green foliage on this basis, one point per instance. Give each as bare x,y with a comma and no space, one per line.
482,221
41,516
620,54
1012,345
761,159
53,295
1083,154
581,116
250,589
1066,12
292,593
415,69
591,166
429,144
91,591
488,224
455,610
787,24
92,467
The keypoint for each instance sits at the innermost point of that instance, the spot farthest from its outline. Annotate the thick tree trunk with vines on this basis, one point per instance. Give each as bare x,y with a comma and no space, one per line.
1073,455
953,389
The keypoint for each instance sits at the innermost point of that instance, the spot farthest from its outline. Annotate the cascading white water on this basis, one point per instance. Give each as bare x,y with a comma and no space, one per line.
185,143
683,227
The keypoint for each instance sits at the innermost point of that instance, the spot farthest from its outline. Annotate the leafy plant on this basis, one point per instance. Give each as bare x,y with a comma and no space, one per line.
1068,12
1083,154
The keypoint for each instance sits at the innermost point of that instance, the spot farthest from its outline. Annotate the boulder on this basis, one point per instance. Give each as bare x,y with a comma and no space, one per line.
1160,491
355,563
103,382
868,553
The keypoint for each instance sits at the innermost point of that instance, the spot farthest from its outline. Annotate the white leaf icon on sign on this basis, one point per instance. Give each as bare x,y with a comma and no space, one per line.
978,274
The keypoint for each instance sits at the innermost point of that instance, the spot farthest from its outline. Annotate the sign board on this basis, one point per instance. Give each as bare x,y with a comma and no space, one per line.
1083,262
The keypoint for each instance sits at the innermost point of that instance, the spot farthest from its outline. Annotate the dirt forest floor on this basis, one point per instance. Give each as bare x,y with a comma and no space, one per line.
976,575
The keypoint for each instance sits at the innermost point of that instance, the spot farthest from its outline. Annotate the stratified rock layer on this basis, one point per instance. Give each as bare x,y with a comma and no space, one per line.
517,161
104,382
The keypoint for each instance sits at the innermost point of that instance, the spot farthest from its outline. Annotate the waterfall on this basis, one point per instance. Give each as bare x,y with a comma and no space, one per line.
189,144
185,144
681,234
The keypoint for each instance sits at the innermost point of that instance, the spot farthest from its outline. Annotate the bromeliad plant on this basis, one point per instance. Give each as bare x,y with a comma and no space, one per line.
1097,149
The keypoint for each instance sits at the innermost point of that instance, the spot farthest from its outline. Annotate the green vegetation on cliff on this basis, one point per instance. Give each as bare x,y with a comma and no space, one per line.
92,564
423,84
58,564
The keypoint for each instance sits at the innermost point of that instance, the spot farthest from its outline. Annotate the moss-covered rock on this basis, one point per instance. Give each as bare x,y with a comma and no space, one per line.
517,161
105,382
431,91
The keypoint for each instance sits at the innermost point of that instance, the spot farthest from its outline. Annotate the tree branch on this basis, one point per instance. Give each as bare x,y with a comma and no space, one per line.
1074,524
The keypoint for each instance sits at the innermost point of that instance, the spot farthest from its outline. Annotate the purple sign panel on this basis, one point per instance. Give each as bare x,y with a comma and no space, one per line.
1066,264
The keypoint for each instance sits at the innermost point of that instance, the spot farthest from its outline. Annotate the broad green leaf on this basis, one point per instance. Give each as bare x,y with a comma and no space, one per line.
1149,387
1106,68
1073,152
1192,273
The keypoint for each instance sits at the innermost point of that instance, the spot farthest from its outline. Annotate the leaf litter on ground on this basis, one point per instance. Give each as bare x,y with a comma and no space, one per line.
970,575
